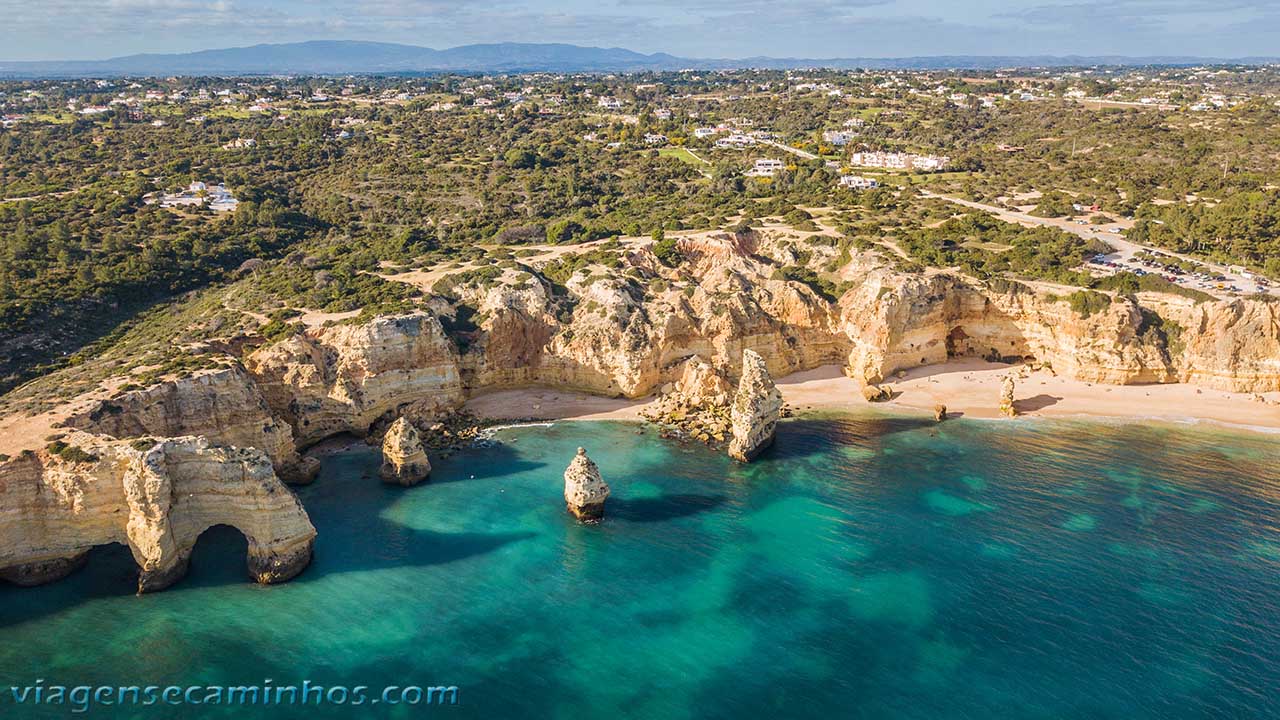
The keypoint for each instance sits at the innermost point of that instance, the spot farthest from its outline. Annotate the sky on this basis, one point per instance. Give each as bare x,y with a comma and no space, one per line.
97,29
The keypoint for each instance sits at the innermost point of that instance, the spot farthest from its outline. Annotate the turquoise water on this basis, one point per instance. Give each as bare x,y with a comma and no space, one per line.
865,567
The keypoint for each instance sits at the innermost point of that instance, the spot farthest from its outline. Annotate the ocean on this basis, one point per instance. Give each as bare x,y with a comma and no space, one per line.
866,566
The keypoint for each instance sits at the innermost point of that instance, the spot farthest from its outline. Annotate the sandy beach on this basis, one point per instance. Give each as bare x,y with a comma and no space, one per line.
967,387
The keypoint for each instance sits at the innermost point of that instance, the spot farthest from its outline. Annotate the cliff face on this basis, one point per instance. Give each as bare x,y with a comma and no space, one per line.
631,328
898,322
1226,345
756,409
223,404
156,497
344,378
623,326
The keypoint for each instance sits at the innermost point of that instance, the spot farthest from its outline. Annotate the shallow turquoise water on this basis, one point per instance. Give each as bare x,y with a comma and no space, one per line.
865,567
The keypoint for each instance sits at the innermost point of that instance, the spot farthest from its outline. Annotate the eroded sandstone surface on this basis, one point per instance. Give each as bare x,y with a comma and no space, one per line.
757,405
156,497
623,330
404,459
584,489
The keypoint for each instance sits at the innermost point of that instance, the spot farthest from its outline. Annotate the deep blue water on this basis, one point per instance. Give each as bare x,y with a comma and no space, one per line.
865,567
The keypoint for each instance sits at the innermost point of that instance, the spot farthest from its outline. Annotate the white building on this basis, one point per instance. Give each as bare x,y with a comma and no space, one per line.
838,137
655,139
766,167
736,140
217,197
899,161
857,182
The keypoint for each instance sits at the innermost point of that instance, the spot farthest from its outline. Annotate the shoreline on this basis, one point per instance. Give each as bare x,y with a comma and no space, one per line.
969,388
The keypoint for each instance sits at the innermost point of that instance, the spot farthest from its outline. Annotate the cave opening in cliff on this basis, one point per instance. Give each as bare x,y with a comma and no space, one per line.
218,558
108,571
956,342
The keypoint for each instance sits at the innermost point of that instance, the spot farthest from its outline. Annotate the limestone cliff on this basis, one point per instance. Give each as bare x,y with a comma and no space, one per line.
756,409
224,404
584,489
155,496
624,324
404,460
346,377
1231,345
898,322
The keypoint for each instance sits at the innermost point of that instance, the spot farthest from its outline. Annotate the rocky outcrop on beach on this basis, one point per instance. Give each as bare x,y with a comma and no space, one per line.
1006,396
696,406
756,409
156,497
877,393
584,489
404,459
939,412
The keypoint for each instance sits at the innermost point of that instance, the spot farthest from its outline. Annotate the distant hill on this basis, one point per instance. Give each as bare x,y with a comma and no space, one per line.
340,57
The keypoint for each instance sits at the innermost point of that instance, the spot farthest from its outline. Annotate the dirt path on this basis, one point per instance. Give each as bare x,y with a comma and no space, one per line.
1125,250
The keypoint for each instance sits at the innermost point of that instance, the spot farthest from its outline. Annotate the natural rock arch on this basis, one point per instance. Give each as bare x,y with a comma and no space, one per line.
157,497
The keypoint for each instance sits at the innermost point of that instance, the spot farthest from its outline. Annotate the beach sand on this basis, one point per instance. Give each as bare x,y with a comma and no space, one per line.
968,388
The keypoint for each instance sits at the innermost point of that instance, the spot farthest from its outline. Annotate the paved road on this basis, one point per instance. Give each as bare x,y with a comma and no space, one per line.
1125,250
797,151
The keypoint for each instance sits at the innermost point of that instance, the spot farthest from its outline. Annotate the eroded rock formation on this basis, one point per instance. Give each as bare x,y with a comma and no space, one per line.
756,409
1006,396
157,497
223,403
939,412
584,490
404,459
624,329
877,393
346,377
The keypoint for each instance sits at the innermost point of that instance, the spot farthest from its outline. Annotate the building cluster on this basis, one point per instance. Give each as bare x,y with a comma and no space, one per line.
899,161
216,197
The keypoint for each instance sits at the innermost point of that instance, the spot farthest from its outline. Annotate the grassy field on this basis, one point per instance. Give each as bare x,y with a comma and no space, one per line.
683,155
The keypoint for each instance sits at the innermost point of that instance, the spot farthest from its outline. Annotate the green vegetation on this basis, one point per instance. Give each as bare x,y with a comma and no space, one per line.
328,222
1040,253
1127,283
1086,303
70,453
827,289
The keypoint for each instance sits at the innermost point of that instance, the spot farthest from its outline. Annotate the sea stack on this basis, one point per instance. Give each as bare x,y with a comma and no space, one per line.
584,490
939,412
755,411
404,460
1006,397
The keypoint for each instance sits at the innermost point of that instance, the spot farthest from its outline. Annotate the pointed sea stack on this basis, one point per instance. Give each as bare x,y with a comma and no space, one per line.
584,490
404,460
1006,397
755,411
